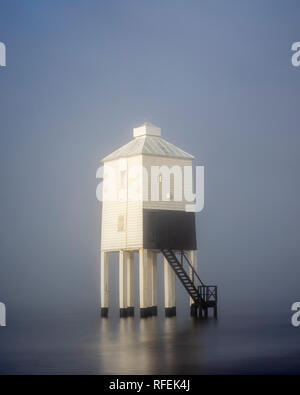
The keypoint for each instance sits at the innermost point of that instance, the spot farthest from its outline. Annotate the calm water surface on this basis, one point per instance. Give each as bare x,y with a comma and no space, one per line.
86,344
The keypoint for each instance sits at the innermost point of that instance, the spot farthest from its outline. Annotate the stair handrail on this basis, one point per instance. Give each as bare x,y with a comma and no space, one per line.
167,252
193,269
206,293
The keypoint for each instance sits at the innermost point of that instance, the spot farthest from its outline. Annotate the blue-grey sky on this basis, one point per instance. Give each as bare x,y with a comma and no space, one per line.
216,76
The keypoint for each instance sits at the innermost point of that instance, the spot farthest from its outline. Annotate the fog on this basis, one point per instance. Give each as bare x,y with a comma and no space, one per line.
215,76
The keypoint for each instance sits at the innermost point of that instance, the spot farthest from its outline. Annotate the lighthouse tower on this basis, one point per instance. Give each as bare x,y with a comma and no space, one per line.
146,188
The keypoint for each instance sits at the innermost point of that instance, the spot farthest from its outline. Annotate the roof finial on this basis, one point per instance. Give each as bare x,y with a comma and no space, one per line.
147,129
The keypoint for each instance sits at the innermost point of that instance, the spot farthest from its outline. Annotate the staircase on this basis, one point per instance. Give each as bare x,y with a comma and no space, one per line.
204,296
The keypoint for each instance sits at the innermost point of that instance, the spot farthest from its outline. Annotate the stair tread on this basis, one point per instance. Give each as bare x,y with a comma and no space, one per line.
182,275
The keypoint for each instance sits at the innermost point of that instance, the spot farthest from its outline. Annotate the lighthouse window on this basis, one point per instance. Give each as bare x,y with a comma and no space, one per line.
121,223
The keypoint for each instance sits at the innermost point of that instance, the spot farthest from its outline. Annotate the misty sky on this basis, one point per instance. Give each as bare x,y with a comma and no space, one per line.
216,76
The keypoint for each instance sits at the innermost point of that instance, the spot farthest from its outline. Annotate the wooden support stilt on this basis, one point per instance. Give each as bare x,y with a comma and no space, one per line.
145,283
170,289
200,311
104,283
153,281
215,311
193,310
123,283
130,283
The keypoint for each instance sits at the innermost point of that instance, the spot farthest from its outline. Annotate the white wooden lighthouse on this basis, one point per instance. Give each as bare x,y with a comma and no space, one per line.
144,212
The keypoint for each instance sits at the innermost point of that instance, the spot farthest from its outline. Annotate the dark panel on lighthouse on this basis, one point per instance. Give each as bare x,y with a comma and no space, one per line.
169,229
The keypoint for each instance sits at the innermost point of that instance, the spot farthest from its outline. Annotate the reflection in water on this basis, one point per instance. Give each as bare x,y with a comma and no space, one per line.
154,345
85,343
184,345
125,345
